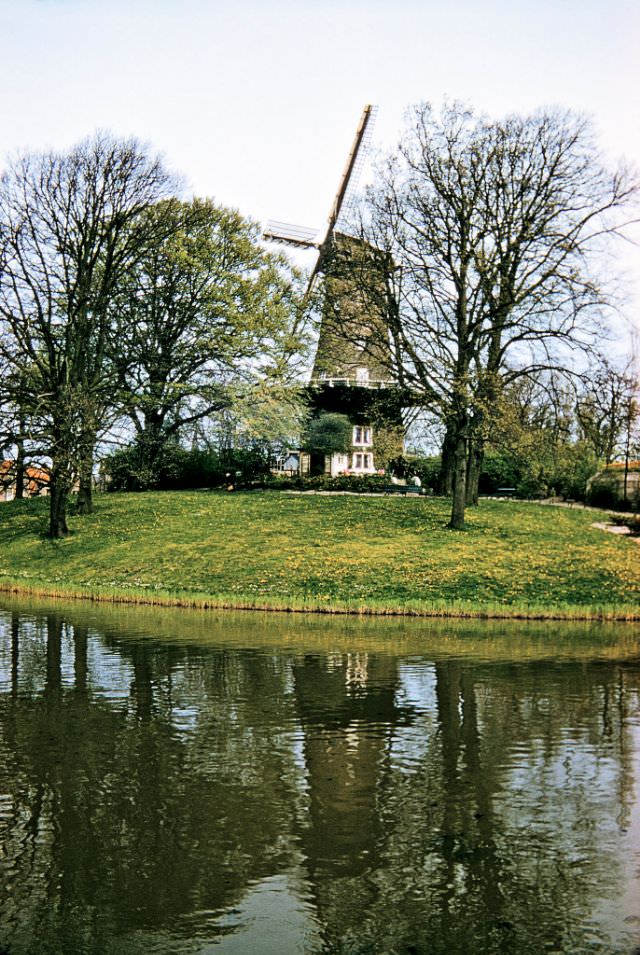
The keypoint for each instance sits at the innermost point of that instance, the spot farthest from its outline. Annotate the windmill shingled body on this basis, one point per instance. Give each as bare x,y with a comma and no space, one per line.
352,369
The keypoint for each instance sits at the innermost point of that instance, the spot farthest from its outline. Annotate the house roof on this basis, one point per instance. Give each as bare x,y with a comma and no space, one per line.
33,474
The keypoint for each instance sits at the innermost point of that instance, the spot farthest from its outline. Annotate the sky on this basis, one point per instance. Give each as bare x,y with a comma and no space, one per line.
255,102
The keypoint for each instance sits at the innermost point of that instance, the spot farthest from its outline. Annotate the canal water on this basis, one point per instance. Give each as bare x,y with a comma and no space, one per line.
179,782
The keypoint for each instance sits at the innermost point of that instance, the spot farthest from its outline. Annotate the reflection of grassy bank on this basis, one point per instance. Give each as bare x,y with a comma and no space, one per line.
516,641
335,554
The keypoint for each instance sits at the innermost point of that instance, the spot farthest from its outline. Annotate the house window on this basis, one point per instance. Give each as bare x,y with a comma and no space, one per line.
362,461
361,435
362,376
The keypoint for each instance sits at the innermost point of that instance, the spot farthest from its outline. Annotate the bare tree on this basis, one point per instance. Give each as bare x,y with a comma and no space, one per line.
494,230
71,229
19,425
604,407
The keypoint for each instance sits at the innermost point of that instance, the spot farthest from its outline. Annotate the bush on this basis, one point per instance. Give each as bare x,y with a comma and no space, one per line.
502,470
604,496
179,469
328,434
567,470
427,469
361,484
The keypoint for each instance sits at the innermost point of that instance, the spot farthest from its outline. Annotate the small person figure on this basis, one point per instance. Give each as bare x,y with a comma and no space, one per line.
229,482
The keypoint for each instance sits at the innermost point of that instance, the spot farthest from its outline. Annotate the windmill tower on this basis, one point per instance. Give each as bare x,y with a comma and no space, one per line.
350,374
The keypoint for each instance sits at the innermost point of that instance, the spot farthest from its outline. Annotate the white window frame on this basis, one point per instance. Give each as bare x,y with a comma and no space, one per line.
362,461
362,435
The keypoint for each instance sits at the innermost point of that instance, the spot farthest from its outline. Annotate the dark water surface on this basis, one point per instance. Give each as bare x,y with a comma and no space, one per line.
176,782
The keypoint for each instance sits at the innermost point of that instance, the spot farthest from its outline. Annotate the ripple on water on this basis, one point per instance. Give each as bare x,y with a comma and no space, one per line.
200,791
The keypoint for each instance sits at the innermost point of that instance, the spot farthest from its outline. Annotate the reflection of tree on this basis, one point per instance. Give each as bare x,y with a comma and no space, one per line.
80,649
494,840
121,822
474,812
15,654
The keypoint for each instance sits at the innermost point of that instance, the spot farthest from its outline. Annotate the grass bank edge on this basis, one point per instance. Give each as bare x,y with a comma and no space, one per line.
311,604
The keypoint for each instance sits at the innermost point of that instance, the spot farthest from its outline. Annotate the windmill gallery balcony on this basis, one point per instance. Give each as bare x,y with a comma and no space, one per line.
357,381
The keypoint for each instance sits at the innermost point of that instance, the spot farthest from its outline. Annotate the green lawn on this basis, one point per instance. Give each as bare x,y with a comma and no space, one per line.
270,549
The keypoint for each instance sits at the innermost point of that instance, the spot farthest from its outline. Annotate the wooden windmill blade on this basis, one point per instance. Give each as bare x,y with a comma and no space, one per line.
294,235
348,182
303,237
354,165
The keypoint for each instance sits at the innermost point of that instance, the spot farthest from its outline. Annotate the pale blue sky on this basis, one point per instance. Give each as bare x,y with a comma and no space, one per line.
256,101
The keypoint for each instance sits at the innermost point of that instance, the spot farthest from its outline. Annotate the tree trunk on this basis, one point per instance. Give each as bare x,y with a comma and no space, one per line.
459,484
84,504
474,469
59,491
151,443
627,451
447,465
20,468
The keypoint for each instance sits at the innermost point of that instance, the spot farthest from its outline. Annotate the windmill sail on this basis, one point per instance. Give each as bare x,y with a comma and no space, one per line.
289,234
353,168
303,237
348,181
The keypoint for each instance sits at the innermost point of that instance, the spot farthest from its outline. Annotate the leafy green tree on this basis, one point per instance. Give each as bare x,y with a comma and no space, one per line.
177,468
535,443
328,434
208,322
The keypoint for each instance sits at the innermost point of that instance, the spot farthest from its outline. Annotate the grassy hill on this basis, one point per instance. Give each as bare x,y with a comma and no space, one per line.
315,552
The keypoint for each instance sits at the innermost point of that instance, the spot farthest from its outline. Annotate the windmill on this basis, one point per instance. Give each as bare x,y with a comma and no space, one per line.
350,373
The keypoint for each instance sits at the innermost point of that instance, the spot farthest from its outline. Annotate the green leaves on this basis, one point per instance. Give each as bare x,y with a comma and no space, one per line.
329,434
209,321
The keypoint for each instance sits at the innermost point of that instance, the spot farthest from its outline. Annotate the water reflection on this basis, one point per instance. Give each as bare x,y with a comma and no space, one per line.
179,783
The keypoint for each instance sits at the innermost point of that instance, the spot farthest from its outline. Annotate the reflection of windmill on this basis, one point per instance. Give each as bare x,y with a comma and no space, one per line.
351,369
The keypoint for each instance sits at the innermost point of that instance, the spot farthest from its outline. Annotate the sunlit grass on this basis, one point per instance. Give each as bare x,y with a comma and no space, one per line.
326,553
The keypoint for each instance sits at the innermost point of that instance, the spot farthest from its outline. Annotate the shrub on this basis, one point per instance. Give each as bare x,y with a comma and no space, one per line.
329,433
179,469
502,470
427,469
365,483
